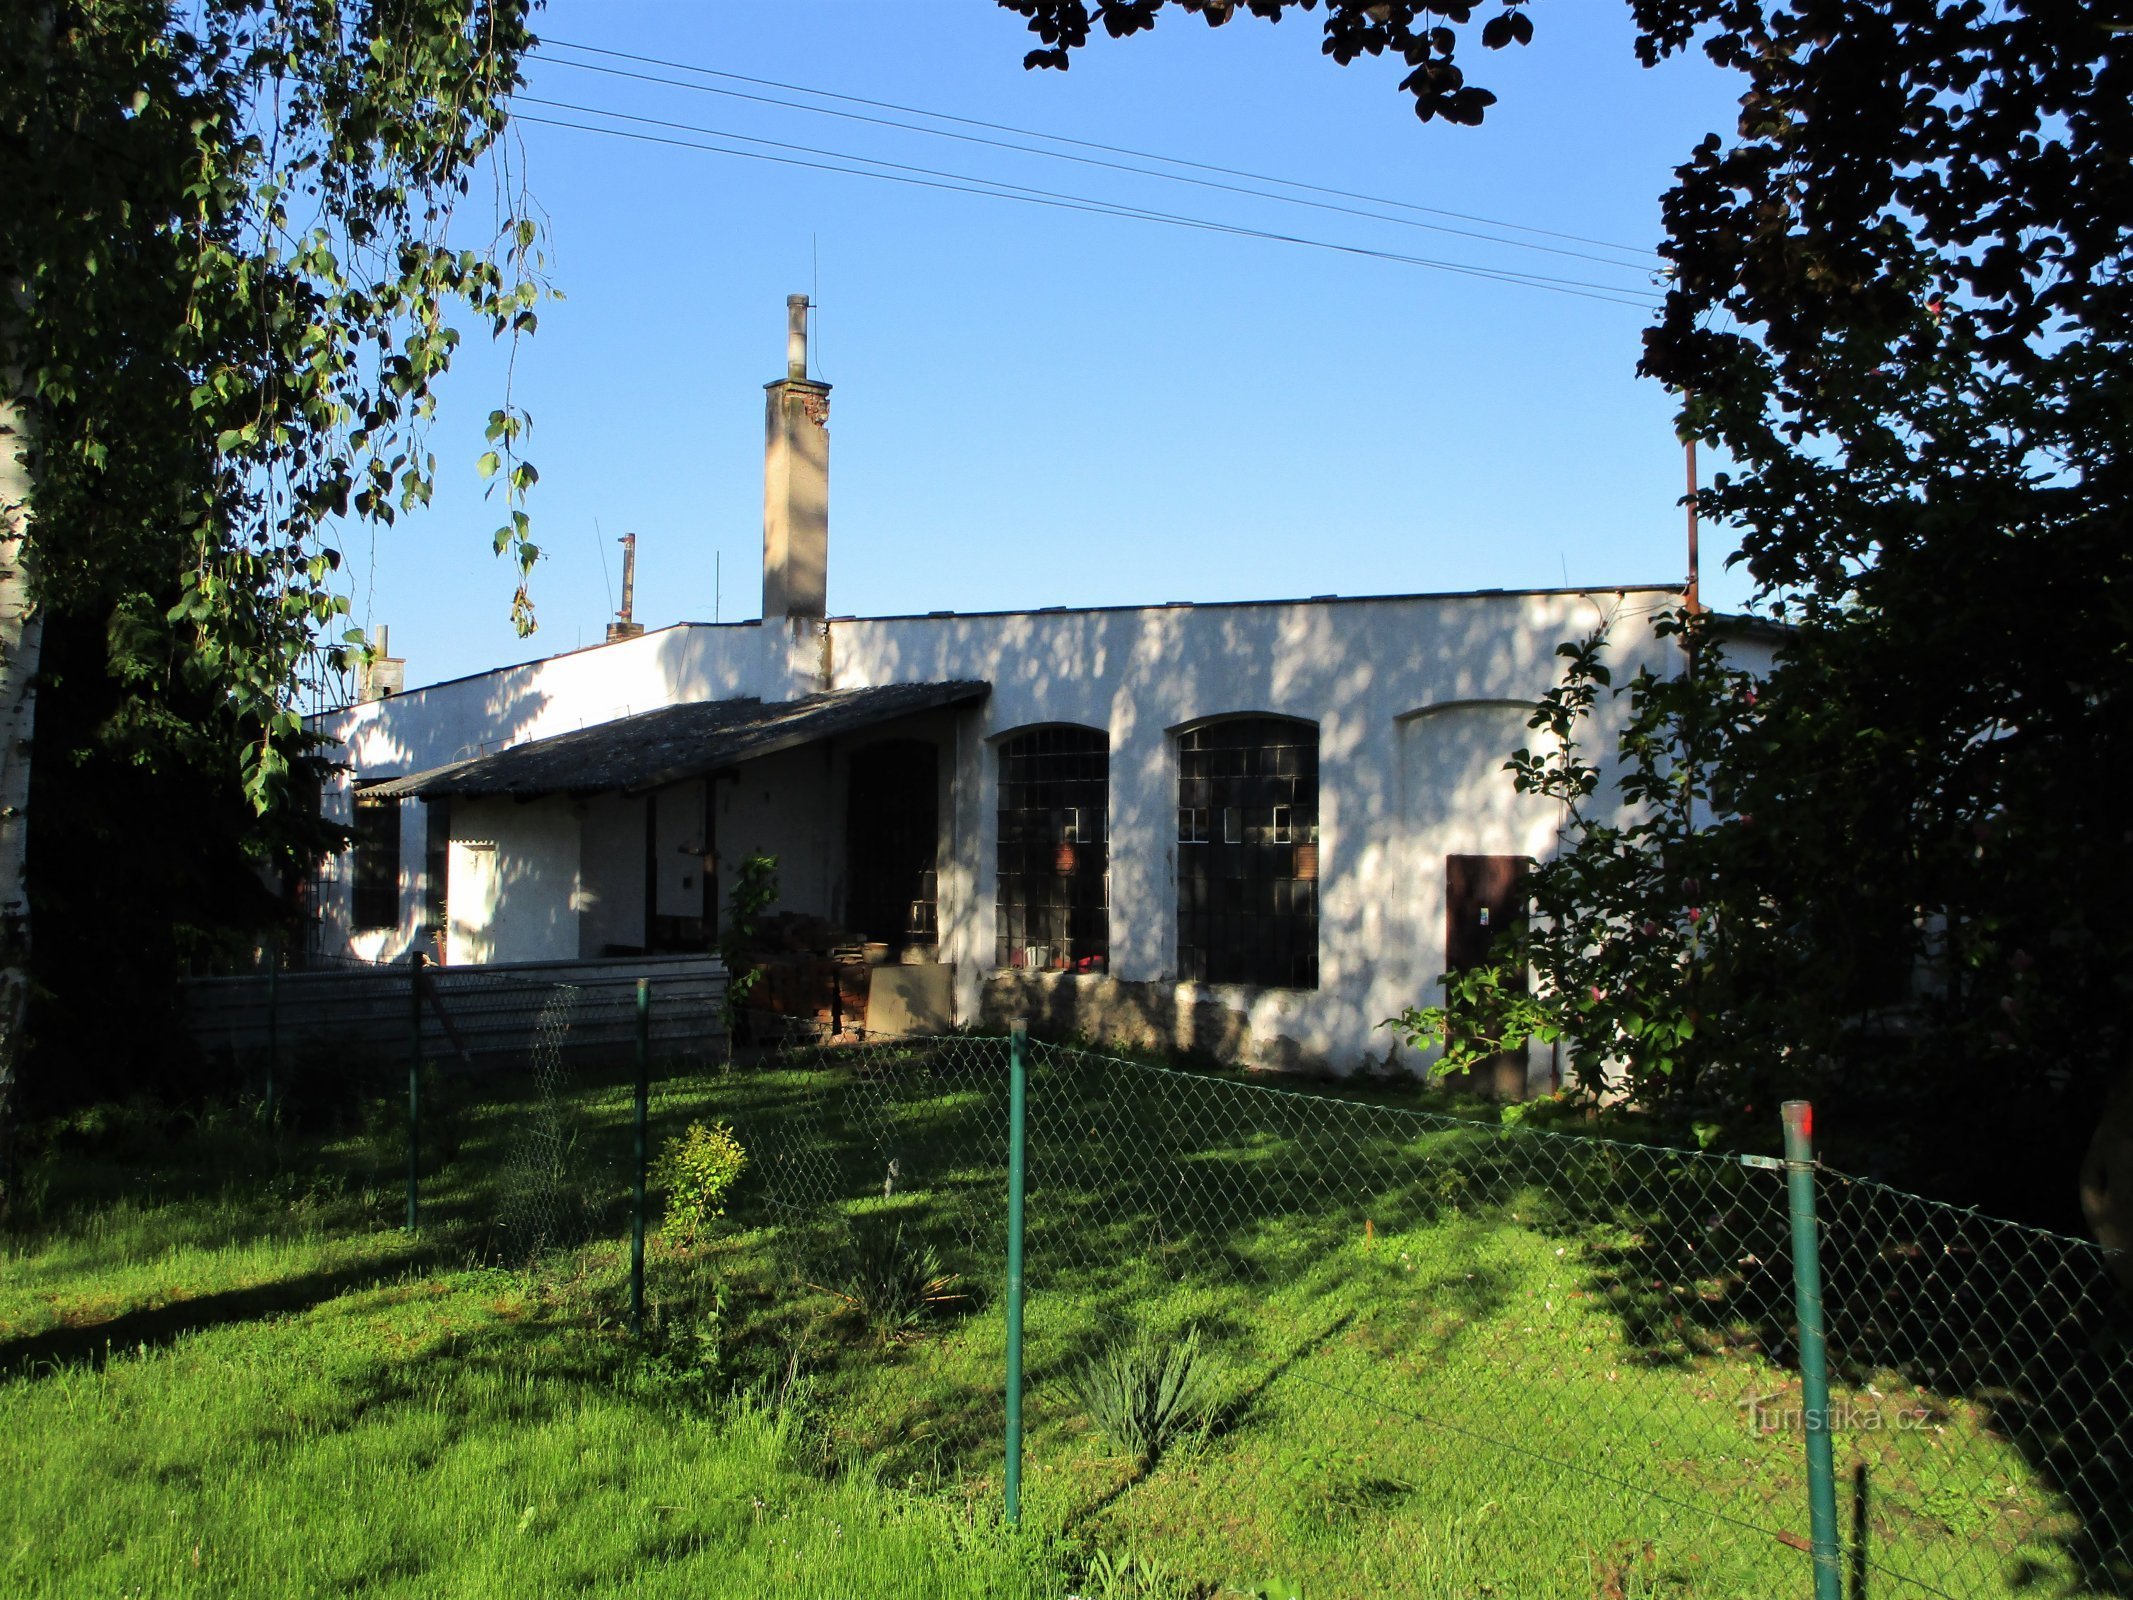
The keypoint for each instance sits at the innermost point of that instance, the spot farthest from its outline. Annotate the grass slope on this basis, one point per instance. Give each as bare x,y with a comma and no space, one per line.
227,1372
224,1377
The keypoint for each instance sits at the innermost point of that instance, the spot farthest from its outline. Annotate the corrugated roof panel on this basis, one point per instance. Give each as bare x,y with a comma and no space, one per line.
654,748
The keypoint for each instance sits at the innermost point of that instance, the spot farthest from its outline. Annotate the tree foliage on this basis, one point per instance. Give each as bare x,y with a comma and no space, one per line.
229,259
1899,301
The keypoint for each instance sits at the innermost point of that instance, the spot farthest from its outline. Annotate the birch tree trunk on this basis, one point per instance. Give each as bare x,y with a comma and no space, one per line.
21,646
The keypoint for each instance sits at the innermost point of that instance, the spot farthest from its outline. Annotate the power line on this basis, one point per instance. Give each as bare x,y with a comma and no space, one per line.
1119,166
961,183
1091,144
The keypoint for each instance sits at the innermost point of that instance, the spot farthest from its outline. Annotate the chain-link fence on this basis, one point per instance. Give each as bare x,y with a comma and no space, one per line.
1408,1352
1328,1336
488,1107
489,1101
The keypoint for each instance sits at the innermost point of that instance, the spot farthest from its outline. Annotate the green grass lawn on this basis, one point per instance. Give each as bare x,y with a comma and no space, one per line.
1438,1364
227,1374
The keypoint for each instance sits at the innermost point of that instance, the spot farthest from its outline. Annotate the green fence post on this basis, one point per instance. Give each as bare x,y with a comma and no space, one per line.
1017,1175
1814,1350
644,1054
414,1085
273,1019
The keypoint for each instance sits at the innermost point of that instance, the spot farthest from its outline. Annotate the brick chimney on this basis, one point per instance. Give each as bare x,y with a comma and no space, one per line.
796,483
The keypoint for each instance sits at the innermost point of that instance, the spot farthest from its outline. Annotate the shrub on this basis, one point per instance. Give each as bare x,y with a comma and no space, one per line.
696,1170
683,1352
893,1281
1144,1396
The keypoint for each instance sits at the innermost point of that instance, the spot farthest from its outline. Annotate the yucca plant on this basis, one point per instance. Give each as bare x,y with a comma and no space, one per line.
1144,1396
1128,1575
893,1282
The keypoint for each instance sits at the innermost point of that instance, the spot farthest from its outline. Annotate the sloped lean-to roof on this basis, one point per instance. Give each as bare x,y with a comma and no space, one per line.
653,748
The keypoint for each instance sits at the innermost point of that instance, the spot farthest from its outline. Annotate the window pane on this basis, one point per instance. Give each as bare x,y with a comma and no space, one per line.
1247,899
376,898
1054,862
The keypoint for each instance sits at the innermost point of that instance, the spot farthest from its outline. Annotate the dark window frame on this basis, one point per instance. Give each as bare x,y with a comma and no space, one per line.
1053,801
374,890
1247,851
436,864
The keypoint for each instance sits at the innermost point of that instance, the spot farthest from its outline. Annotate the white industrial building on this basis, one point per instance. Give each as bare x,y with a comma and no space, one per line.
1258,829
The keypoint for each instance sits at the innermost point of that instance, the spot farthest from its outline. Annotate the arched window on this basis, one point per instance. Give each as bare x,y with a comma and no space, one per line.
1055,858
1248,852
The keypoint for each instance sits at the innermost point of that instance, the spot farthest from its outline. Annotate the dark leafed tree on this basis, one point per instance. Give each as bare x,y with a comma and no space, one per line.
228,255
1899,302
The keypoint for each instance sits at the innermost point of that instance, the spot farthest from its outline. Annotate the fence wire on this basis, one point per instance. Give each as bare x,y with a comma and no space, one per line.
1450,1355
2004,1355
555,1190
520,1146
1433,1354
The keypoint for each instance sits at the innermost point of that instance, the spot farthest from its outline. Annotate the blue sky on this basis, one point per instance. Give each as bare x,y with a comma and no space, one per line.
1036,406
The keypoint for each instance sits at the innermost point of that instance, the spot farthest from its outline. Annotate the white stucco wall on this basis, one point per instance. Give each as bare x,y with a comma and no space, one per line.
1413,698
533,912
1401,690
336,885
438,723
610,873
492,711
788,806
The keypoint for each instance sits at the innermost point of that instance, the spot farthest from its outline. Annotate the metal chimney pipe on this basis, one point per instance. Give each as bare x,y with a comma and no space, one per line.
796,336
625,625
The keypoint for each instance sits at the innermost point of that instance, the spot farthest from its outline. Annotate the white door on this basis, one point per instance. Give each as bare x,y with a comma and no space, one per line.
470,899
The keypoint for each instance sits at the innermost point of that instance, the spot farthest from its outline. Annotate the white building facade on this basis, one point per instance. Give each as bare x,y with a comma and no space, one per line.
1253,829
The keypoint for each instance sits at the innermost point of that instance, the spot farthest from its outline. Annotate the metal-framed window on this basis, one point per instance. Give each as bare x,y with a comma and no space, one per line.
1248,852
376,896
1055,858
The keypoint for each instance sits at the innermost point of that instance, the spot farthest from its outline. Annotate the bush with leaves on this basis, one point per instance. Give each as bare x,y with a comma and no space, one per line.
696,1170
1644,947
